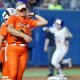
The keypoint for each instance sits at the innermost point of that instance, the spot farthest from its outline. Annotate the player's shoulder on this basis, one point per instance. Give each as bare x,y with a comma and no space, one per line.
52,29
13,17
65,28
55,28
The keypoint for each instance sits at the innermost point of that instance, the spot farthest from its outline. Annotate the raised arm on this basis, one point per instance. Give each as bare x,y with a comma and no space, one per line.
42,21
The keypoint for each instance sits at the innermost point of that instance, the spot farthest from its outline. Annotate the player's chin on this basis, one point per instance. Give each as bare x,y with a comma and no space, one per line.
23,15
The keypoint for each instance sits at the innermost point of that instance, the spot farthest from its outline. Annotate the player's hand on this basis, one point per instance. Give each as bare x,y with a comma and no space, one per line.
45,49
46,29
27,38
31,14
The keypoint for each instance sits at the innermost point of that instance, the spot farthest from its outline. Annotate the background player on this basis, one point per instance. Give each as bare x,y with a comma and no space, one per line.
8,12
49,48
61,34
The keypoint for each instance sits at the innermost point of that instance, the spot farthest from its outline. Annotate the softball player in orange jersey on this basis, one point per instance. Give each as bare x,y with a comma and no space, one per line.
3,32
3,53
19,32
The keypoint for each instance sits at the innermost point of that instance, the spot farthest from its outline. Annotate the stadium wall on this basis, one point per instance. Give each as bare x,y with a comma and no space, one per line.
72,21
37,56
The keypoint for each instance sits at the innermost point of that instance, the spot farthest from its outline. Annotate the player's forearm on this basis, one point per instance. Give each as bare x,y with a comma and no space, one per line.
46,42
42,21
15,32
1,40
46,45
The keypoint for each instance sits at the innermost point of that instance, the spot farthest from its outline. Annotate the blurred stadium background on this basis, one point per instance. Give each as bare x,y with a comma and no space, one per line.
38,61
37,56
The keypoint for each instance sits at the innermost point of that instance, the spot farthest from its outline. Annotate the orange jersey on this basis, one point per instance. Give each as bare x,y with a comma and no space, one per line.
21,24
3,32
3,29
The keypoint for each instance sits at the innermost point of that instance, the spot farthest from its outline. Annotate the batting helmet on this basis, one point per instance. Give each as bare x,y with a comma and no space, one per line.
8,12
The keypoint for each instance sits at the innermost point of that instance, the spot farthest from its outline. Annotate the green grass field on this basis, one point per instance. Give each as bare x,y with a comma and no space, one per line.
43,72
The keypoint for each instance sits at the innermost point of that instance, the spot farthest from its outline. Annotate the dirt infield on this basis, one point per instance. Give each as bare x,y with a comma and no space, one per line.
45,78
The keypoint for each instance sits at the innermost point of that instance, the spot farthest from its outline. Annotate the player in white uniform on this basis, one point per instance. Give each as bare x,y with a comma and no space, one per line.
61,34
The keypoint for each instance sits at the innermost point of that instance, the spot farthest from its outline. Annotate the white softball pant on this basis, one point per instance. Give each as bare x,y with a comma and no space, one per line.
58,55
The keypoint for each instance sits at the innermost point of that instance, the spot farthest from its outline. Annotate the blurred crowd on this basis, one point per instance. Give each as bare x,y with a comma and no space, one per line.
61,4
7,3
44,4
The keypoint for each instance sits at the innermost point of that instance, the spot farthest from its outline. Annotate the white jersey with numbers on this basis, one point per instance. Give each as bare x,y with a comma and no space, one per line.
60,41
60,35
